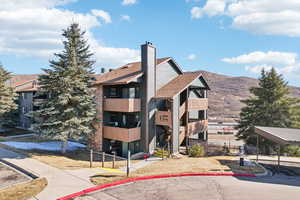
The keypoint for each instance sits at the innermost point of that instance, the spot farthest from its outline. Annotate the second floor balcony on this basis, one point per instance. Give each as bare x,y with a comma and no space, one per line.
122,105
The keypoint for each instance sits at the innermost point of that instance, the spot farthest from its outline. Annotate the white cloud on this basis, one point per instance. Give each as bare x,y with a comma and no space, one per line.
270,57
102,14
256,16
125,17
191,57
128,2
284,62
33,28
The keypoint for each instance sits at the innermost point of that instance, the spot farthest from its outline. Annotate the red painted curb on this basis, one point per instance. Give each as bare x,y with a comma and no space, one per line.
77,194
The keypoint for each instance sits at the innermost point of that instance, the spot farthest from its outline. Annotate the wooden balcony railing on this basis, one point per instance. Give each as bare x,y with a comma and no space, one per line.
163,118
122,134
122,105
182,109
197,126
197,104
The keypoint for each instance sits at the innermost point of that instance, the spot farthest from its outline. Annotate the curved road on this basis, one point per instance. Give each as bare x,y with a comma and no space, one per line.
276,187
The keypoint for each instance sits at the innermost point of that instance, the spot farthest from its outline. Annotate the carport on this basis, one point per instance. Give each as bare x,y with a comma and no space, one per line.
280,136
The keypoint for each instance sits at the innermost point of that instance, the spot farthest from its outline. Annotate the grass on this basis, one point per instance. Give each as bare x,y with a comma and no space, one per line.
23,191
183,165
71,160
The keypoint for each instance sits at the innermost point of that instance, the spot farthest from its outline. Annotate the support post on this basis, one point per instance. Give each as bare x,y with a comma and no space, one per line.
278,153
103,158
128,164
91,158
257,147
114,160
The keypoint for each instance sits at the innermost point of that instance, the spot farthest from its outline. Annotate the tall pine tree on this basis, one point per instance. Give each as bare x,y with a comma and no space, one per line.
7,98
69,109
269,105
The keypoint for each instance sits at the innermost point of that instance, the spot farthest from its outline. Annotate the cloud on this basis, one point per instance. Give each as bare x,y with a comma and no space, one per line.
128,2
284,62
33,28
191,57
271,57
256,16
125,18
102,14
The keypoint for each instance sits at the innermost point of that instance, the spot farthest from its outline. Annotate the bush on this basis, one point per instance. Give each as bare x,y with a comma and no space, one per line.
292,150
197,151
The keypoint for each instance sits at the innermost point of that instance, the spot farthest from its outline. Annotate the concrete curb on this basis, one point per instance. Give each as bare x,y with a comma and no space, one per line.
266,173
100,187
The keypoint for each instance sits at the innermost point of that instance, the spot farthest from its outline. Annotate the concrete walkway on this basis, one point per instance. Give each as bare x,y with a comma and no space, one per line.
275,158
60,182
140,164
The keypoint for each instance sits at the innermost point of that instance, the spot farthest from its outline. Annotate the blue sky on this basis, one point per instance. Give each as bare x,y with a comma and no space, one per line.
232,37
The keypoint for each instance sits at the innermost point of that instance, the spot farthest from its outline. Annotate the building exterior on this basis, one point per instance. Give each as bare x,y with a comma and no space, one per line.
141,105
149,104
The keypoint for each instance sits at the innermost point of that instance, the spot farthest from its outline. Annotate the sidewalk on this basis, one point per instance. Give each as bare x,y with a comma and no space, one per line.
60,182
143,163
275,158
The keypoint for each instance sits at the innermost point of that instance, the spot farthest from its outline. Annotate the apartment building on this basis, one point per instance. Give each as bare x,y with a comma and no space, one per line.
149,104
141,105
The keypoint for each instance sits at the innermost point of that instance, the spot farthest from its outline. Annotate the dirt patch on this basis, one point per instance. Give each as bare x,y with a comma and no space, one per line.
23,191
9,176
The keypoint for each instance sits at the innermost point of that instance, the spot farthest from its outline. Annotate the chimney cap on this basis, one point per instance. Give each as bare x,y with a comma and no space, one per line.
148,43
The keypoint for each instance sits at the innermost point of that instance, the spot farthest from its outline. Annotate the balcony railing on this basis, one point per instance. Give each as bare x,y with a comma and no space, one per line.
122,105
197,104
163,118
197,126
122,134
182,109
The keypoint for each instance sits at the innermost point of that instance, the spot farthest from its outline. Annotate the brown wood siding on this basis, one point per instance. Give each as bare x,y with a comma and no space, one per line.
163,118
197,126
122,105
122,134
197,104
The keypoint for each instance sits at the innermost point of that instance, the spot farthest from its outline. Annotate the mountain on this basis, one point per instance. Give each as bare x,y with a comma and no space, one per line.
224,96
226,93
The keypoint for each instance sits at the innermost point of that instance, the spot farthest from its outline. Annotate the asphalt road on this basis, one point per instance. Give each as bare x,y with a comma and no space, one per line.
275,187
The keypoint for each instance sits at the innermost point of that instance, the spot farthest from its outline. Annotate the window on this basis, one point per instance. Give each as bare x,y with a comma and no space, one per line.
113,92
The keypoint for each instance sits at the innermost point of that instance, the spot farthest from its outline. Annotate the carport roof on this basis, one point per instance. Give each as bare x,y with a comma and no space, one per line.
280,135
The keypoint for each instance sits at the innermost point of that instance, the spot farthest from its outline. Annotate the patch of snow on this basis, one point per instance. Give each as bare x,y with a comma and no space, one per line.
47,146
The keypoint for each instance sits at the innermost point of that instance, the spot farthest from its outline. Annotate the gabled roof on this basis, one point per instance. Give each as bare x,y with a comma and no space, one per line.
26,86
177,85
125,74
280,135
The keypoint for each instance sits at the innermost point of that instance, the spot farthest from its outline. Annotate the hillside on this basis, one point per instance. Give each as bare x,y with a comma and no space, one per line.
224,96
226,93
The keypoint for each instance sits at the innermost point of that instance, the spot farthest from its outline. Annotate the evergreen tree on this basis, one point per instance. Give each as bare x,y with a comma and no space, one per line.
69,109
7,99
269,105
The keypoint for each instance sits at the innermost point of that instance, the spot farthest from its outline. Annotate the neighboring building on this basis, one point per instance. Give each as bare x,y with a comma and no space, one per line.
149,104
141,105
27,96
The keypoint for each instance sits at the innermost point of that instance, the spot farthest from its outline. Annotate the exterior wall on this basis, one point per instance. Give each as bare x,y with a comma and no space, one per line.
98,124
165,72
176,123
148,106
25,106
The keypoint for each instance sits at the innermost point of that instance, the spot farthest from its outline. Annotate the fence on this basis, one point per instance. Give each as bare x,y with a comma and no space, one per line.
214,149
106,160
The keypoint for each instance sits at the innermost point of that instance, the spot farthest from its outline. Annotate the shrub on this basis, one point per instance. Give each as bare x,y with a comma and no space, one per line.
292,150
197,151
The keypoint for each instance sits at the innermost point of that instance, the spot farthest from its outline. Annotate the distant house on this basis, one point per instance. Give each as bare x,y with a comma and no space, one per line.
141,105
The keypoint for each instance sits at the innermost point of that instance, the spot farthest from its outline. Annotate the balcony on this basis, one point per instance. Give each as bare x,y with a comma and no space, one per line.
197,126
197,104
122,134
163,118
122,105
